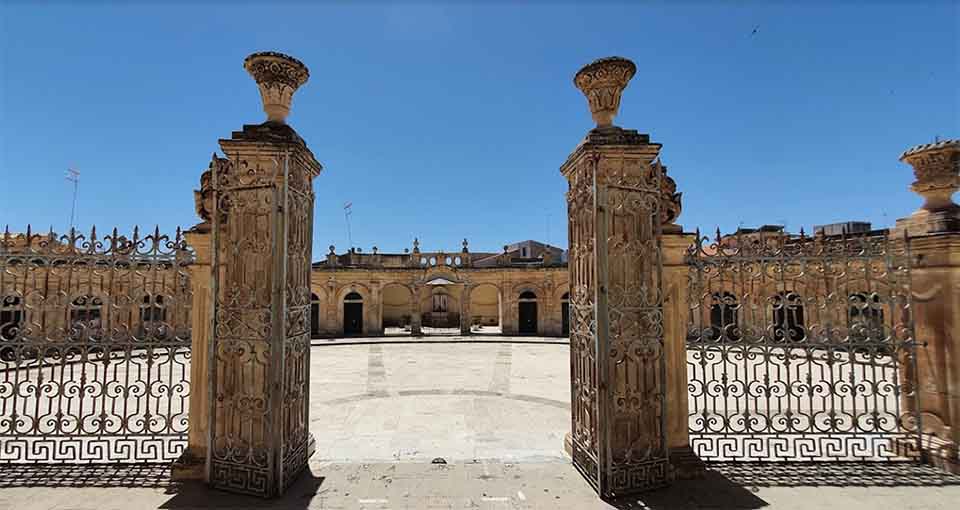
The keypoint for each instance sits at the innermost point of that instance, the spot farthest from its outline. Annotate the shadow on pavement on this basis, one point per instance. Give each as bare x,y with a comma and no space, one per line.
197,495
86,475
713,491
834,474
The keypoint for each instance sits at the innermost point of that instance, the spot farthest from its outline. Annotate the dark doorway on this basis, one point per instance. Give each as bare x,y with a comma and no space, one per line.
528,313
353,314
565,314
315,316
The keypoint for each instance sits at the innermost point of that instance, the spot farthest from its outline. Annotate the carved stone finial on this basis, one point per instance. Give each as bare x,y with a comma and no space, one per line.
936,166
278,76
374,250
332,252
505,248
465,250
602,81
416,245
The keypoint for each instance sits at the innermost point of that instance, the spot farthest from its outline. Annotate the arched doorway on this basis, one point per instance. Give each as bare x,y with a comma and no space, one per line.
565,314
353,314
314,315
396,309
485,310
527,304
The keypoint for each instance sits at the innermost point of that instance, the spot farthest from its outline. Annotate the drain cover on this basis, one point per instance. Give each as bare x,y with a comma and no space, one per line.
438,460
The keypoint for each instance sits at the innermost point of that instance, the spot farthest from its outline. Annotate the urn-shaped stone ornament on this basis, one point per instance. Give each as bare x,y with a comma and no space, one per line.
936,167
278,76
603,81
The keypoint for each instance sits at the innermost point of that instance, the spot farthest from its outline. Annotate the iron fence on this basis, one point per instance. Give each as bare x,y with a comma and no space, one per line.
801,348
94,347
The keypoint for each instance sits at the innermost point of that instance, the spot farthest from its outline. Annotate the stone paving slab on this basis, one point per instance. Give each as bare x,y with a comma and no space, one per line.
499,485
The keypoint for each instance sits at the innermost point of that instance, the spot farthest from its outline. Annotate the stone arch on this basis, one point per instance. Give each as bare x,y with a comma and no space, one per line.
486,305
365,293
397,305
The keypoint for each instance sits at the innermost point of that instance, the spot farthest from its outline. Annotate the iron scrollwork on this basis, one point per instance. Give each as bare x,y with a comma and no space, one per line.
801,348
94,347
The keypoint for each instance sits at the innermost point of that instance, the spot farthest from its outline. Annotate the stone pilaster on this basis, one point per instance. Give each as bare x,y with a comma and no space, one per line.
190,466
618,362
465,312
936,313
674,246
416,322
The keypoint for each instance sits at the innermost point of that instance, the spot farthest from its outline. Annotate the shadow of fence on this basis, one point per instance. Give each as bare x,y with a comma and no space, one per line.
86,475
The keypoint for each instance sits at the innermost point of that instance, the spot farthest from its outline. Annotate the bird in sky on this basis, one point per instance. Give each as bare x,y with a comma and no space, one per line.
755,30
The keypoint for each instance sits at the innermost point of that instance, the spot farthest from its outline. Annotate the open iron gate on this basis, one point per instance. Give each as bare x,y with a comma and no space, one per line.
801,348
94,347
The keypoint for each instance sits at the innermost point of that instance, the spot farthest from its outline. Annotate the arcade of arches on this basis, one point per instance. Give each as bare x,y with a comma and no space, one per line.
524,291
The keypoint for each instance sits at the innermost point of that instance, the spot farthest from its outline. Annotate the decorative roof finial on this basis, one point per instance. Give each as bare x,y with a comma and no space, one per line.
603,81
416,245
278,76
465,245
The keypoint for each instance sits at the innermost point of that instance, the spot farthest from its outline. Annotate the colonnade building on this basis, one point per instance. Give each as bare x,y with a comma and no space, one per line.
523,290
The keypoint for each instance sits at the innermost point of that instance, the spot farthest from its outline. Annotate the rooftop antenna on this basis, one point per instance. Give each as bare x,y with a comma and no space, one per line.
347,212
73,176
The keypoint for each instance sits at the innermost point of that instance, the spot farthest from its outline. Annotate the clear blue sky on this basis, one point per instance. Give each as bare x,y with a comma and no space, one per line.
450,120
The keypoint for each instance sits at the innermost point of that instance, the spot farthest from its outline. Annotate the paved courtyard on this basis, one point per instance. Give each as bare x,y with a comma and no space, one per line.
495,410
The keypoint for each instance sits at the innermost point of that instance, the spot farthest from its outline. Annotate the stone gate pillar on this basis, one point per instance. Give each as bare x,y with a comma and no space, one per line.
262,225
934,235
618,436
465,311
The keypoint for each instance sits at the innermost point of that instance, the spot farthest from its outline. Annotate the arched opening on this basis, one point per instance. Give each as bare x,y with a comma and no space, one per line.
788,317
485,310
565,314
724,317
314,315
11,322
865,317
527,308
396,310
353,314
85,318
153,317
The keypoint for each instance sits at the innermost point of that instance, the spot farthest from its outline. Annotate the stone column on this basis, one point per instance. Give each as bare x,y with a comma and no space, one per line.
190,465
376,309
416,326
619,407
934,232
509,316
259,439
676,311
465,310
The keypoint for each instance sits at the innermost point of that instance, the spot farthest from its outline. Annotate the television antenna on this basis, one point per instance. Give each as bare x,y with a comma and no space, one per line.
73,176
347,212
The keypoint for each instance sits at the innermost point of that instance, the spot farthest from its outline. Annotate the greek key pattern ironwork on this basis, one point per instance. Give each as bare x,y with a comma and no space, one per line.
801,348
94,347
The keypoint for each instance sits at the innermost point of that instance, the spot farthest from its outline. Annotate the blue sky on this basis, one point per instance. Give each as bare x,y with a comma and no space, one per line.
450,120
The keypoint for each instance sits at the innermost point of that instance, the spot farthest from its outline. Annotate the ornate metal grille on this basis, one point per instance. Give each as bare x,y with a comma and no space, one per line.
94,347
801,348
617,365
262,240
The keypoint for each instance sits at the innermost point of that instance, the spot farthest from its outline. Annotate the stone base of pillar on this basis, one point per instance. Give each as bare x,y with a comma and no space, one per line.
927,222
568,446
686,464
940,453
190,466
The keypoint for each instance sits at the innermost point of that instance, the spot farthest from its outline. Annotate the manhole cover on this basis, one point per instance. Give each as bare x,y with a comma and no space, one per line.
438,460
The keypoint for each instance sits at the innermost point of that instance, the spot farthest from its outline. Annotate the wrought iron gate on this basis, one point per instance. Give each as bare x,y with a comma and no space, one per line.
617,364
94,347
801,348
259,382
